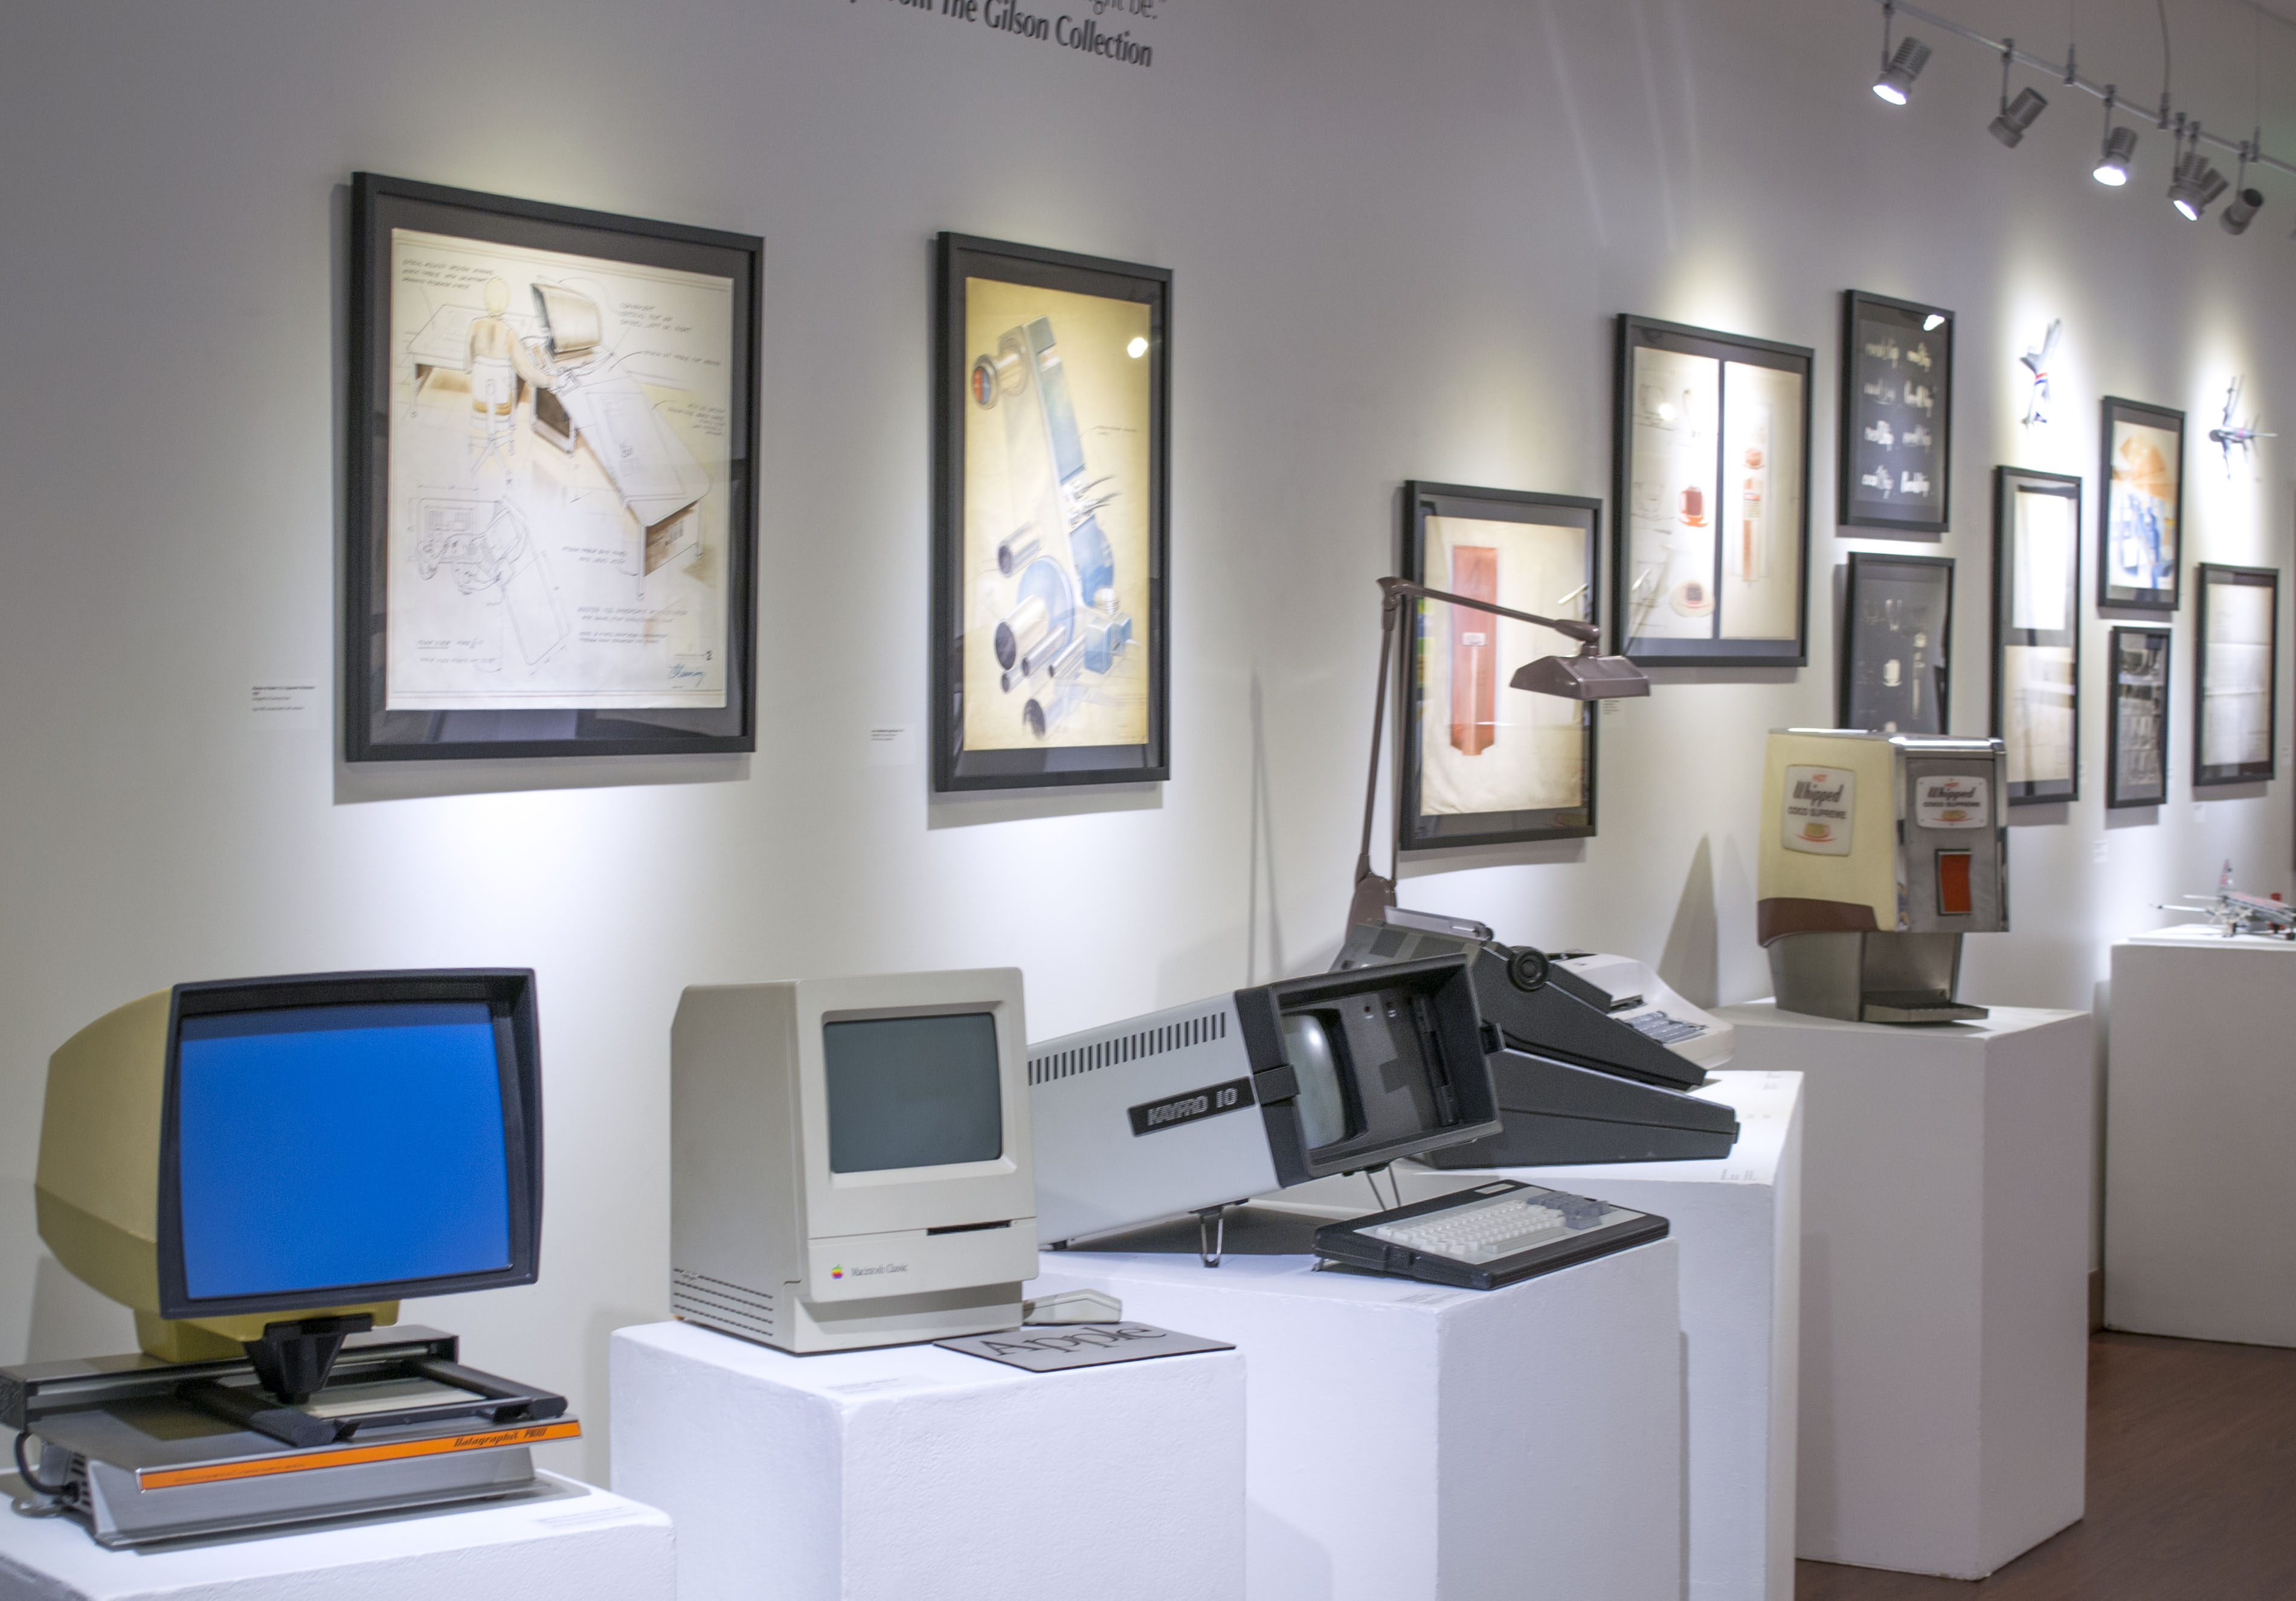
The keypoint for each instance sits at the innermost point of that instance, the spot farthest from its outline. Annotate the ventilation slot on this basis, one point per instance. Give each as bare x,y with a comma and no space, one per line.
732,1307
1134,1047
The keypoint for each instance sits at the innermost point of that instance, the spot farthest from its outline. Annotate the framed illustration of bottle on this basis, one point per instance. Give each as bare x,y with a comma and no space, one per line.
1479,763
1896,638
1712,497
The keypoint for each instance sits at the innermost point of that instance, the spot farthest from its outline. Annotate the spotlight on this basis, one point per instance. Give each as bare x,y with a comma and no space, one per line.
2195,186
1896,83
2018,116
2112,166
2242,211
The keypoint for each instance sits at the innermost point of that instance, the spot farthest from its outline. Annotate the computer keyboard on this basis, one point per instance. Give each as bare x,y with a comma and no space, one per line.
1666,1030
1494,1234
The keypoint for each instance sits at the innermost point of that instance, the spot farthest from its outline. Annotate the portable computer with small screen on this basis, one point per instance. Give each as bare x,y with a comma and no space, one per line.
261,1170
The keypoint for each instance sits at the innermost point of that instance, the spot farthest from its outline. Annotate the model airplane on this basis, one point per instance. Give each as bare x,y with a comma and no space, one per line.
2236,912
2037,362
2228,433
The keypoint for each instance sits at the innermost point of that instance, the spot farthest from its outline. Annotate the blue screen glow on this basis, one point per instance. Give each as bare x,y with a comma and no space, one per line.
332,1146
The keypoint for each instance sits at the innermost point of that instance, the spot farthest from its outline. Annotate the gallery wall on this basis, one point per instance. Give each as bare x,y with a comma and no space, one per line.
1398,235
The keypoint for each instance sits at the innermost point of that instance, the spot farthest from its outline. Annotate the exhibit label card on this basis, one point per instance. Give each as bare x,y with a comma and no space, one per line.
1056,1348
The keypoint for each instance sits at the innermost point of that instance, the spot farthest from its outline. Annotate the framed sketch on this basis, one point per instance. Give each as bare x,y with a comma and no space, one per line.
2136,733
2142,514
1051,408
553,525
1712,497
1481,763
2036,518
1897,640
2236,676
1896,470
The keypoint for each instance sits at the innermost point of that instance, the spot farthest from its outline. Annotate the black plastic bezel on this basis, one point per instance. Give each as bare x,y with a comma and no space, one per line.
508,993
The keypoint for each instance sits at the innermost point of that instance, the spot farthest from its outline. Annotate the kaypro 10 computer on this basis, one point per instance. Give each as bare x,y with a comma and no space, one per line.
261,1169
850,1159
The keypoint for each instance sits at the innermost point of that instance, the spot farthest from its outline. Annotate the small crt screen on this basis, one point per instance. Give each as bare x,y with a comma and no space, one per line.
334,1146
912,1091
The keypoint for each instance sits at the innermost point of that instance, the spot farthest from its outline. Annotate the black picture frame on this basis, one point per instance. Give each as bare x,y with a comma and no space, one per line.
2216,659
531,559
1423,672
1896,644
1656,615
1895,473
2137,722
2129,516
1074,660
2037,665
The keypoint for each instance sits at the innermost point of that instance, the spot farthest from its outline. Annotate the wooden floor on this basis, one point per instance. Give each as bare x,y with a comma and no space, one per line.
2192,1489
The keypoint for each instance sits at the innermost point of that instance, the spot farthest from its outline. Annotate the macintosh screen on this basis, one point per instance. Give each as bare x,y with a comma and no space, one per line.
912,1091
331,1146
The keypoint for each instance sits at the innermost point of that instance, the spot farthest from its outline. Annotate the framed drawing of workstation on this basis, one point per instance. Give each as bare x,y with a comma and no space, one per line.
1051,422
2036,527
1712,498
553,512
1481,763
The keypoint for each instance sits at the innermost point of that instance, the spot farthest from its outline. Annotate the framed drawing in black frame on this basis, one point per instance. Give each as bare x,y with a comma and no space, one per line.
1051,439
1712,472
2235,674
1897,640
2142,517
2136,725
1896,473
553,525
2037,526
1481,763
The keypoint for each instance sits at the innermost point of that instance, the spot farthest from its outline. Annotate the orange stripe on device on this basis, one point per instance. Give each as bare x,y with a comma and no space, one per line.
351,1456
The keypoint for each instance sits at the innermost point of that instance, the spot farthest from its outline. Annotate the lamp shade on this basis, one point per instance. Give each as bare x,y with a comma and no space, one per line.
1582,677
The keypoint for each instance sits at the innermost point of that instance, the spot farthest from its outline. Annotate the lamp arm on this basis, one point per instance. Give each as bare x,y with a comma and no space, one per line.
1395,588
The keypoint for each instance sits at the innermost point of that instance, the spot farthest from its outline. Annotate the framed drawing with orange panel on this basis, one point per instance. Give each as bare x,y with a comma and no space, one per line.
1482,763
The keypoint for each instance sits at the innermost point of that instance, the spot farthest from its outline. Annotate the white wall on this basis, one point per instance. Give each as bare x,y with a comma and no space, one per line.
1399,232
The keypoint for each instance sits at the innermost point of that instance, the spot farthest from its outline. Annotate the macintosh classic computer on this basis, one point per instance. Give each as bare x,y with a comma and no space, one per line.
850,1159
262,1168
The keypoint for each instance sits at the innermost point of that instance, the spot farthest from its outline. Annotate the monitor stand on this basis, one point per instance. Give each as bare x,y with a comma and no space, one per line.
142,1450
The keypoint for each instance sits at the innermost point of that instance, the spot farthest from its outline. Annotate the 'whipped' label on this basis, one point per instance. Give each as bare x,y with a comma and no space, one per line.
1950,800
1819,801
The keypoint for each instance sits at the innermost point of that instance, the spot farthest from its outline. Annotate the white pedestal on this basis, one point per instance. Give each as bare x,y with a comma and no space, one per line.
1737,1222
2200,1195
1408,1441
578,1544
913,1472
1945,1282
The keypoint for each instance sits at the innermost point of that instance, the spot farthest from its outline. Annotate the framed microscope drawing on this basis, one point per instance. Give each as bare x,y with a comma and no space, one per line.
2137,723
1479,763
1896,472
2036,525
2142,519
552,525
1897,640
1051,423
1712,498
2236,675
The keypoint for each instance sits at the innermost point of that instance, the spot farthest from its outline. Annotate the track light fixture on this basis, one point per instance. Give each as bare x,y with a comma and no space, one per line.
2197,184
2243,211
1901,66
2019,114
2120,146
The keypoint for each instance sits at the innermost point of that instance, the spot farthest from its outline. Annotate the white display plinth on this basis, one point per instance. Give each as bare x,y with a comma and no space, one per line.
1737,1221
1944,1282
572,1543
2200,1195
1408,1441
912,1472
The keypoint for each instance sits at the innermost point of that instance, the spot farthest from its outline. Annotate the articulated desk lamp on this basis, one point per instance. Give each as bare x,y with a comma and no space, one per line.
1586,1074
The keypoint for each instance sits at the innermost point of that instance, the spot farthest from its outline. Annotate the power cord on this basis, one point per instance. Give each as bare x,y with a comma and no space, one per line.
24,1468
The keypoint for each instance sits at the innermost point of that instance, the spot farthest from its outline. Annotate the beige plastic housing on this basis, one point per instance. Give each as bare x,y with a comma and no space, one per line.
97,1188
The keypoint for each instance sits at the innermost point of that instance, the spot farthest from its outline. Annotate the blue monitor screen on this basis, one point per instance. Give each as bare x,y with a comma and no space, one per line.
331,1146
